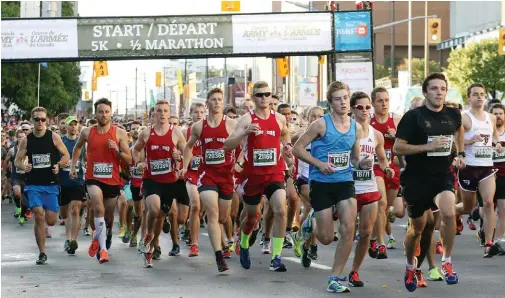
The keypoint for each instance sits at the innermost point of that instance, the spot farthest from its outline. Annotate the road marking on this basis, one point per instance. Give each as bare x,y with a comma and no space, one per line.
205,234
314,265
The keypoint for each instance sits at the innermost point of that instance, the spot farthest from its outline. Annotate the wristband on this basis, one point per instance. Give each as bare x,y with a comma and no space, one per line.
386,168
118,153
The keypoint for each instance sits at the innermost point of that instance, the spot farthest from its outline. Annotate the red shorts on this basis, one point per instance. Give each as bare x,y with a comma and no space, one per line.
367,198
255,185
216,181
391,183
192,176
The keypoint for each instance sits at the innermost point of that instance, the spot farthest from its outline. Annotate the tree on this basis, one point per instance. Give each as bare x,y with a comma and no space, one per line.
381,71
478,62
60,88
418,69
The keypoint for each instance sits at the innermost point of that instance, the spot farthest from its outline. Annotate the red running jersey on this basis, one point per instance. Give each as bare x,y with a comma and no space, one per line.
263,149
388,140
197,153
160,165
212,142
103,162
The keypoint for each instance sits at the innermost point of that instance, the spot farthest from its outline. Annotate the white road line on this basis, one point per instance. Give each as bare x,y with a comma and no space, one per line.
204,234
312,265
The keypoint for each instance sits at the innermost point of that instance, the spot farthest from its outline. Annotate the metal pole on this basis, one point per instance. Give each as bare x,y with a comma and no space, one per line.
207,73
410,44
145,92
225,89
392,40
164,88
38,88
126,102
403,21
136,93
426,46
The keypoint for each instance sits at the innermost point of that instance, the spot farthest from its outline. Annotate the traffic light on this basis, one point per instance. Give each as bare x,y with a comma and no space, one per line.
501,42
158,79
93,83
434,30
101,69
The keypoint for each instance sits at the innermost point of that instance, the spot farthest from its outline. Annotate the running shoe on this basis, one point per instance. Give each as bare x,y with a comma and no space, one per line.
305,259
276,265
307,225
354,280
391,243
475,215
127,235
266,247
421,283
297,241
382,252
17,211
145,243
410,280
245,258
372,249
93,247
313,252
391,215
72,247
231,245
28,214
434,275
237,247
254,236
193,250
335,236
335,285
185,236
62,222
470,224
491,250
176,250
122,231
108,242
42,259
482,237
133,241
104,256
439,248
226,253
296,225
48,235
459,225
166,225
450,276
22,221
66,245
148,260
85,232
221,265
156,255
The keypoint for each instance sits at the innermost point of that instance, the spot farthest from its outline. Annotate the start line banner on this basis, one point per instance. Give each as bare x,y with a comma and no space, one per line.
166,37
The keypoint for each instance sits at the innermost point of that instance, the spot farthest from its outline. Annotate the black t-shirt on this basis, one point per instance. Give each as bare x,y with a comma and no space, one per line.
417,127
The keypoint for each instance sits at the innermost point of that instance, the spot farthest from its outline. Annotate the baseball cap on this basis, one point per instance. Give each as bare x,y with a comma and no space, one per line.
26,127
69,119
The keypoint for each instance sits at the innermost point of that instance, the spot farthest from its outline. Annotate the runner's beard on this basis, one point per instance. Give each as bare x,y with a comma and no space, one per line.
104,123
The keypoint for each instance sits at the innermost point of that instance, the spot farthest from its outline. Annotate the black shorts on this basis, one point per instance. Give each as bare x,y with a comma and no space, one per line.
72,193
419,194
136,195
18,181
267,192
108,191
181,193
325,195
300,181
165,191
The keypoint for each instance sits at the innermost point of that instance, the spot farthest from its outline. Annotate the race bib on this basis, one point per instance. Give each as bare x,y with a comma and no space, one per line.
388,156
18,171
214,156
445,151
498,157
483,152
67,169
160,166
136,173
41,161
102,170
195,163
362,175
340,159
264,157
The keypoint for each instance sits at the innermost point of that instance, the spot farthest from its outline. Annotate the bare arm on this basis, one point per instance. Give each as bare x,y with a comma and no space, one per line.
125,153
379,150
180,139
402,148
460,139
83,138
193,138
238,134
315,130
7,160
65,156
296,136
356,148
139,145
20,156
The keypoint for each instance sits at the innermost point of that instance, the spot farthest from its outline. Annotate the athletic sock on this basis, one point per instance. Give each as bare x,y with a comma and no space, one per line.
244,240
17,201
101,232
391,237
219,255
277,246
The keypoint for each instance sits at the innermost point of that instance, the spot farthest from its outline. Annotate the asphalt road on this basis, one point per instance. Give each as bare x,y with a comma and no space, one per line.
125,276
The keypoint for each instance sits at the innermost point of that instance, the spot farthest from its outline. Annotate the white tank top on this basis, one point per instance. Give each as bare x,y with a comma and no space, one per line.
364,180
303,167
480,154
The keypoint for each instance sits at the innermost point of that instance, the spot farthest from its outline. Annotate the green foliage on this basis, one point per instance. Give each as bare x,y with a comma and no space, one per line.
478,62
60,88
381,71
418,69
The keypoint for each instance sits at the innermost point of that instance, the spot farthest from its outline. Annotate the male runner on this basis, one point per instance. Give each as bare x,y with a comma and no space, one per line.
215,183
480,132
42,148
197,113
17,179
135,184
263,131
425,137
386,123
498,110
335,146
73,192
367,194
160,174
107,147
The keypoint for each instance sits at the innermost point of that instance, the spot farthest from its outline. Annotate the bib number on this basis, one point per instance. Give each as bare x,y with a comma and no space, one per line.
498,157
136,173
445,151
195,163
388,156
483,152
264,157
160,166
102,170
41,161
214,156
340,159
362,175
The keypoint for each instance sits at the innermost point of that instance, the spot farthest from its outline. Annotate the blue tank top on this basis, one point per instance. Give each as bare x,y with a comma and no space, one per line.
334,147
65,179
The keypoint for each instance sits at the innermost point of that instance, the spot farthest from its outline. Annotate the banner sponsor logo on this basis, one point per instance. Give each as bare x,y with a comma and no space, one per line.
352,31
356,70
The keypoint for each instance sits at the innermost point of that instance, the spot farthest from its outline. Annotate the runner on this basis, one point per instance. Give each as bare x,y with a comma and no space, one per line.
42,148
135,184
215,183
425,137
160,176
107,147
480,133
18,179
335,147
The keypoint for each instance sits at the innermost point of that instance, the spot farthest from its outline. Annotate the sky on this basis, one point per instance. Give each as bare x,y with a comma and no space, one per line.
122,73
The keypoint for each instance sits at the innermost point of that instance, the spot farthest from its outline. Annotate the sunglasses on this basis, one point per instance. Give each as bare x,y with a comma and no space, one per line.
37,119
294,119
25,129
233,117
265,94
363,107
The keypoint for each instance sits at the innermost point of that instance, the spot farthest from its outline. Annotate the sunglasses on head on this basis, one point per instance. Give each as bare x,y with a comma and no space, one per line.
363,107
37,119
265,94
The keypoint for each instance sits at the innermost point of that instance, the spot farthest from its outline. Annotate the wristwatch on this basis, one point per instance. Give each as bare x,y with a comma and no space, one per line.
462,154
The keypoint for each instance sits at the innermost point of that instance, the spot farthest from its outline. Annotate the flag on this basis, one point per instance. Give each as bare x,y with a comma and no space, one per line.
44,64
152,98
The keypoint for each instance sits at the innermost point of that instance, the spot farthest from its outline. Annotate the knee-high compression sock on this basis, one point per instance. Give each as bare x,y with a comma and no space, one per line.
277,246
17,201
101,231
244,240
